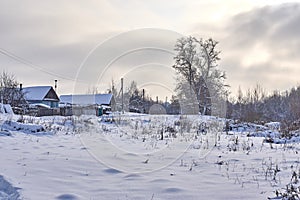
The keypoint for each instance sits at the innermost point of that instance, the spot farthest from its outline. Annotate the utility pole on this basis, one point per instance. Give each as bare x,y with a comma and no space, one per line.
2,93
143,95
122,89
144,110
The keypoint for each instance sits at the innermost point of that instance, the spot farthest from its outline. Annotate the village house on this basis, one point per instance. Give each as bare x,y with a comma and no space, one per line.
41,96
42,100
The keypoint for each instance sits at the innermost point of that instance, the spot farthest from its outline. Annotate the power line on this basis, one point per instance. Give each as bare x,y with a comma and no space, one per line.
34,66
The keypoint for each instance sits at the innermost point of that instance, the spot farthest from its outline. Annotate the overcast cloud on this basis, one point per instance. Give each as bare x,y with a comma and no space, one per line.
262,46
259,40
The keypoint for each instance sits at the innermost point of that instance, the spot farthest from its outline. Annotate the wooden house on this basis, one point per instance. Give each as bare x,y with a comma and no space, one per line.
43,96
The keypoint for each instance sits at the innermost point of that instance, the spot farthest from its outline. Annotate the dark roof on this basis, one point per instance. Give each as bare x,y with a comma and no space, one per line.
87,99
39,93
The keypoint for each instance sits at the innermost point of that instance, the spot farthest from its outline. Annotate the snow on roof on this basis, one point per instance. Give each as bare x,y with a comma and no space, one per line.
36,92
86,99
103,98
105,107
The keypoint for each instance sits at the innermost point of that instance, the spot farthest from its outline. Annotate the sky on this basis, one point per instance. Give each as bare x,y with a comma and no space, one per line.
87,44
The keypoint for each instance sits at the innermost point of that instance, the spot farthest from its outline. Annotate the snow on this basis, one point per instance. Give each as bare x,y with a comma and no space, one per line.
105,107
7,191
39,105
6,109
25,128
273,125
124,158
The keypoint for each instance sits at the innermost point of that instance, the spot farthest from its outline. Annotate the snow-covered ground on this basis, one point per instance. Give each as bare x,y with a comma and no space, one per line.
140,157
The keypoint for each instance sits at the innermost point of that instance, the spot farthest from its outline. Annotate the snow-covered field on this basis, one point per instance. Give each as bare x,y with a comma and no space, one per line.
141,157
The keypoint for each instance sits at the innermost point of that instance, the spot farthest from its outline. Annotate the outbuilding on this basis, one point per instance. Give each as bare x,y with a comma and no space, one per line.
87,104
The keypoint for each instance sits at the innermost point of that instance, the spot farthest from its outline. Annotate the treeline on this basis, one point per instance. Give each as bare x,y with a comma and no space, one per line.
139,101
255,105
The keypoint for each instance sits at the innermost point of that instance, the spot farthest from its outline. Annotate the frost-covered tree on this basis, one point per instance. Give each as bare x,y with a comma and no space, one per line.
196,62
135,98
174,107
187,98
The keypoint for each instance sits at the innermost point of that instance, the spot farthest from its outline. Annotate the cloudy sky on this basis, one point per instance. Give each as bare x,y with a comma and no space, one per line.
85,44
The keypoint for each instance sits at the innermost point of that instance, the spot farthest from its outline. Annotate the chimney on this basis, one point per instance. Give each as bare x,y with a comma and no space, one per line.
21,86
55,85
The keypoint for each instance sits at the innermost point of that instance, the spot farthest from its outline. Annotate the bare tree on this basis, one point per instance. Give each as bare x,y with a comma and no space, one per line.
276,107
10,93
92,90
294,106
256,106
